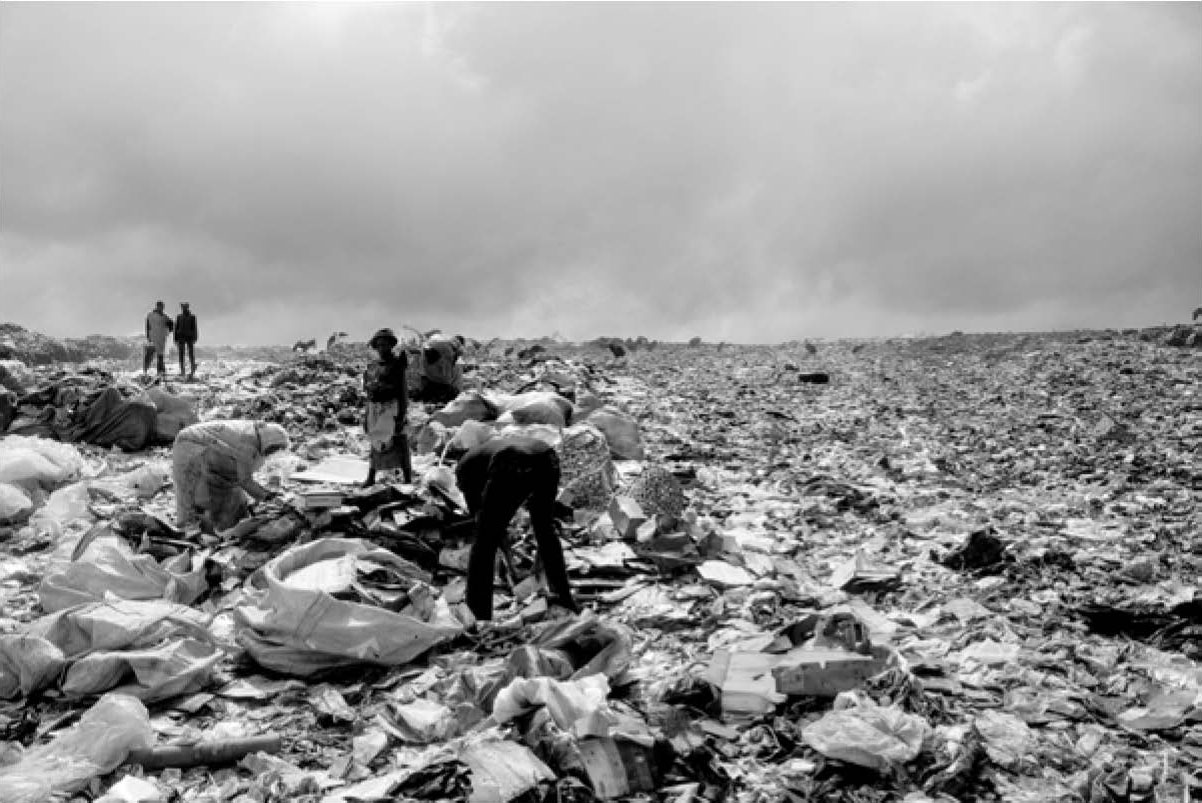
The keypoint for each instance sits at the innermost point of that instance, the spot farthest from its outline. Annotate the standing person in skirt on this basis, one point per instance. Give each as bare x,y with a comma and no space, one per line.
384,383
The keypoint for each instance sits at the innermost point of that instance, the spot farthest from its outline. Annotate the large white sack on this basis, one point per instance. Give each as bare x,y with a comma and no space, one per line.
295,627
534,407
621,432
471,434
108,566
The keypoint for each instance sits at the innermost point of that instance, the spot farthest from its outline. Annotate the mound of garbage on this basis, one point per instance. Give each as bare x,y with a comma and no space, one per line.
959,568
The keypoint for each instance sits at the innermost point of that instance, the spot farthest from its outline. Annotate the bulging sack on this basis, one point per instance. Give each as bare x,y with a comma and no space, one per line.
295,626
621,432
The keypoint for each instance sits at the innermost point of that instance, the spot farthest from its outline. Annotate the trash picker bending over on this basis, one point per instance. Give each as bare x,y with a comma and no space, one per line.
214,464
496,478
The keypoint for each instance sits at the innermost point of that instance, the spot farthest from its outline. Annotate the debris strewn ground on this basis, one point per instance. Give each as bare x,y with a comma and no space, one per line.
960,568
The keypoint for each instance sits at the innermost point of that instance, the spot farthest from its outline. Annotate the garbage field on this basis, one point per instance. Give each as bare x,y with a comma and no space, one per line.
926,570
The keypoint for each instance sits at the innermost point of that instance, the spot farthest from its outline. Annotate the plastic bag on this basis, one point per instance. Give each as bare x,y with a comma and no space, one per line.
621,432
27,468
68,462
1007,738
15,504
868,735
574,705
467,406
131,630
471,434
537,407
172,668
599,647
95,746
502,770
149,479
108,566
300,631
65,507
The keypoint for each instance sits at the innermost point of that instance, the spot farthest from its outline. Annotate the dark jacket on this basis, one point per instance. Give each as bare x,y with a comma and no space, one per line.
388,381
186,328
475,469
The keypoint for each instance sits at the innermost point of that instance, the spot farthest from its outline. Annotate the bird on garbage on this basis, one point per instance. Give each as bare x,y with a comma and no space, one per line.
811,349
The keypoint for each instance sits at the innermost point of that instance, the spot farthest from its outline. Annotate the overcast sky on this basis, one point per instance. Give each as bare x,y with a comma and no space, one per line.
742,172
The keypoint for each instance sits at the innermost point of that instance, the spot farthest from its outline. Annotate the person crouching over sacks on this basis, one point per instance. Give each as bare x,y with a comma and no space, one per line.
441,378
213,464
384,383
495,478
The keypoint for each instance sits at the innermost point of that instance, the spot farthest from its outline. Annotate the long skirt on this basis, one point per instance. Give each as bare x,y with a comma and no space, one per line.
389,443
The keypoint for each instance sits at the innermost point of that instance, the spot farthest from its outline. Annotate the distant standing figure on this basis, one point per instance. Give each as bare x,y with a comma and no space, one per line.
495,478
213,465
187,331
385,384
158,326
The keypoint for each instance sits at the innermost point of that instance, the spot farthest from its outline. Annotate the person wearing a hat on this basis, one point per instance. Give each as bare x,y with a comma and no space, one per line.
496,478
213,465
386,388
186,334
158,326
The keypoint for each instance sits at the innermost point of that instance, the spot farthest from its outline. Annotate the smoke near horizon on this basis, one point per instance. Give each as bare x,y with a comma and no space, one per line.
741,172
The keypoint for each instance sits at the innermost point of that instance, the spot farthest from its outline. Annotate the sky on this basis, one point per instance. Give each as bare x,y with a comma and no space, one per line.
753,173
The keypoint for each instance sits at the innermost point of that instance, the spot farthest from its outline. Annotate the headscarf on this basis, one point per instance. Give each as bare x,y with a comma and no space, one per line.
386,334
270,435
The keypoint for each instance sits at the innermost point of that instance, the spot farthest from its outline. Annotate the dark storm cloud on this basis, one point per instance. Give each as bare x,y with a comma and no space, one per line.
742,171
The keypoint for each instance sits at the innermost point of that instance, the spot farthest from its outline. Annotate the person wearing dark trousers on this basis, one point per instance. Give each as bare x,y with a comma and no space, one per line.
187,331
496,478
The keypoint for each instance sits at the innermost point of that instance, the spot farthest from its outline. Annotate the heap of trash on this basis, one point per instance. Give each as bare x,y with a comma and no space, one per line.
923,570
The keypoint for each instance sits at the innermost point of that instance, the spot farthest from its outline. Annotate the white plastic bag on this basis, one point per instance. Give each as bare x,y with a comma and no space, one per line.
15,504
95,746
68,464
869,735
28,469
574,705
471,434
66,507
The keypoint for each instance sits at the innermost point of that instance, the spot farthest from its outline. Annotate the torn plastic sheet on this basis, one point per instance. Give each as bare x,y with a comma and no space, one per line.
300,630
164,648
868,735
502,770
577,706
95,746
592,645
106,565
